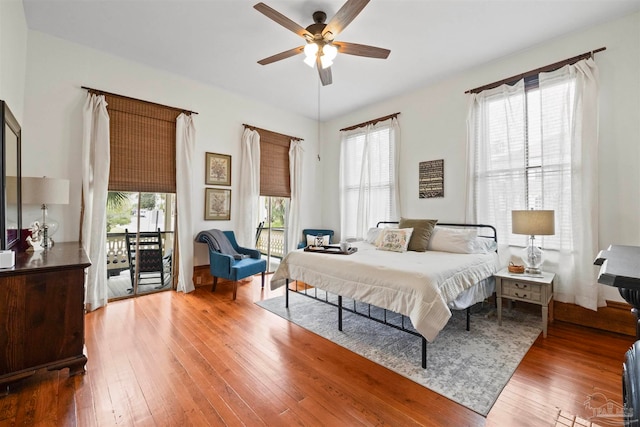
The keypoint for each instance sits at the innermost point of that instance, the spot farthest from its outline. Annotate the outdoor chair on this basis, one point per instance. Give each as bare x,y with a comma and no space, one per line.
144,251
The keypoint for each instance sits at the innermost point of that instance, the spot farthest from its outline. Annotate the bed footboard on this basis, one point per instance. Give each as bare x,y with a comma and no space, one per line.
341,308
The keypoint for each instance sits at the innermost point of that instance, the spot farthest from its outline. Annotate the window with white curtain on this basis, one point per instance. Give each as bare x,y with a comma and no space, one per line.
534,145
520,166
368,178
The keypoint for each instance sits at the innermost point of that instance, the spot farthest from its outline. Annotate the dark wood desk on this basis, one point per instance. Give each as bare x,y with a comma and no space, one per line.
620,267
42,312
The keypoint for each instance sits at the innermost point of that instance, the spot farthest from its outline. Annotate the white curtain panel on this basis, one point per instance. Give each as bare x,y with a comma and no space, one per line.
95,181
248,189
574,120
394,141
185,145
294,229
369,178
495,172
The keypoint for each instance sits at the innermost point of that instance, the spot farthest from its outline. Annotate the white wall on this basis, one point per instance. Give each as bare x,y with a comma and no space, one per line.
52,125
433,126
13,54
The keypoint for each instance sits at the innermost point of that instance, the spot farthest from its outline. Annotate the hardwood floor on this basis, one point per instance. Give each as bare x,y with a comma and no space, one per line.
200,359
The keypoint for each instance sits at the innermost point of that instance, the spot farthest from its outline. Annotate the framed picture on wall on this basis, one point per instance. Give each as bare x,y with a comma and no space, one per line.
217,204
431,179
217,169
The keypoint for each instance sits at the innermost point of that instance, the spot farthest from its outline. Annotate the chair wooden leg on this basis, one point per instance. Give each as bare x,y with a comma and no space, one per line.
263,280
235,289
215,283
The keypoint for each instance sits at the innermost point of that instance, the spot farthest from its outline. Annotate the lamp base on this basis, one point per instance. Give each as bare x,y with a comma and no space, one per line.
532,270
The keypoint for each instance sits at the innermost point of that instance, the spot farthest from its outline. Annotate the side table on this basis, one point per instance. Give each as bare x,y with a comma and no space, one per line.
536,289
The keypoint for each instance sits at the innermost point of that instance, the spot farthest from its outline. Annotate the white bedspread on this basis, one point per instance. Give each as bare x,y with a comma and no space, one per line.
416,284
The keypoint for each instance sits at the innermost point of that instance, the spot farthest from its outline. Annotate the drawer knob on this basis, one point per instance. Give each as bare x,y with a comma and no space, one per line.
521,285
520,296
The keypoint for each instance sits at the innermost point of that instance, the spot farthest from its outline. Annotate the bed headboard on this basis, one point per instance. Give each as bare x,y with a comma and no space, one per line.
488,231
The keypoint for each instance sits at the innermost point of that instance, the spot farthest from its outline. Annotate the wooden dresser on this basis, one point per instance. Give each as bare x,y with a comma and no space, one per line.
42,312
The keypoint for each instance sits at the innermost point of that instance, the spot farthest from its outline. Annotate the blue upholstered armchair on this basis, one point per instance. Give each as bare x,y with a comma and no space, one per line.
226,267
314,232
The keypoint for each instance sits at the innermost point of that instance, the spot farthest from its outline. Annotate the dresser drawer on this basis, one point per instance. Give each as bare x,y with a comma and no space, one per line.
523,291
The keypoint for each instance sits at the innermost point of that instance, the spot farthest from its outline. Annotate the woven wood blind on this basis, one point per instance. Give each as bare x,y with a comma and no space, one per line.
143,146
274,164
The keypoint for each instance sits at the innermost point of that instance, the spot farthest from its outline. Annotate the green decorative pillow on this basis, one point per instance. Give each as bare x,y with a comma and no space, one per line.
395,239
422,230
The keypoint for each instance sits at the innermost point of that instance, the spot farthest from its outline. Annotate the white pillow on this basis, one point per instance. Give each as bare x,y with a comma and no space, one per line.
459,241
373,234
311,240
484,245
395,239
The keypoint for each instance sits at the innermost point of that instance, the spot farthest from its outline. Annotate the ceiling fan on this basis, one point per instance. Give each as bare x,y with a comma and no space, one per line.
321,48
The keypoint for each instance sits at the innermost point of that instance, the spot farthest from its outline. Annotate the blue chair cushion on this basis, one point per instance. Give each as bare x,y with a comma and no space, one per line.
247,267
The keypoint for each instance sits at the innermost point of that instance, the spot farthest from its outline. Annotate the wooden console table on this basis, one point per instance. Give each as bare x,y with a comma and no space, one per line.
42,312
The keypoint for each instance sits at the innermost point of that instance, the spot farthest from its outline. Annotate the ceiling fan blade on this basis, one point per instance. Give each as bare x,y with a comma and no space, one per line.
282,20
282,55
325,73
343,17
362,50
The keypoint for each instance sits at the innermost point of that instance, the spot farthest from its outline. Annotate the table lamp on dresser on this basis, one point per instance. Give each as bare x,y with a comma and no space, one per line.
45,191
533,223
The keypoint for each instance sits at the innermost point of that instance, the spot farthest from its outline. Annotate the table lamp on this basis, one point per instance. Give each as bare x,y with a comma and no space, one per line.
533,223
45,191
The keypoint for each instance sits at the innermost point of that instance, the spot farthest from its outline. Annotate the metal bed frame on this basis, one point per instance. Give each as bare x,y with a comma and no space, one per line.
341,308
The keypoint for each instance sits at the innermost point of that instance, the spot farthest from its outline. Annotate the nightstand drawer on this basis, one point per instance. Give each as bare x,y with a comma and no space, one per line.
523,291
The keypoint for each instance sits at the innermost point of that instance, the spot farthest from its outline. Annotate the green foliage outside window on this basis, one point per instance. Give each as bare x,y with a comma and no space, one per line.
118,210
278,205
147,201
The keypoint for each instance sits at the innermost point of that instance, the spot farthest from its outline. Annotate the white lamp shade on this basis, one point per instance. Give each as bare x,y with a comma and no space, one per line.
44,190
330,51
310,50
325,62
533,222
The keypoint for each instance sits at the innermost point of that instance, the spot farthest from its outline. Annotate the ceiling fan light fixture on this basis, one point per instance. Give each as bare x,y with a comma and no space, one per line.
318,48
310,53
325,61
310,50
310,61
329,51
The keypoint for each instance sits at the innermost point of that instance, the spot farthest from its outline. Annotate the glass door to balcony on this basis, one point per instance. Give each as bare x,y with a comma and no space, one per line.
140,242
271,236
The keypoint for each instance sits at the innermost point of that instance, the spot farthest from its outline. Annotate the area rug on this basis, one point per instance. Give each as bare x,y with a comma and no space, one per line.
470,368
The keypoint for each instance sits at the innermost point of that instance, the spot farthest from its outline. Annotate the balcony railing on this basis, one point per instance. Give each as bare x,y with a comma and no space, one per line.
277,241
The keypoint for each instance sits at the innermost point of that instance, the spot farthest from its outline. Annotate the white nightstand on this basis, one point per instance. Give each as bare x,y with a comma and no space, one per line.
529,288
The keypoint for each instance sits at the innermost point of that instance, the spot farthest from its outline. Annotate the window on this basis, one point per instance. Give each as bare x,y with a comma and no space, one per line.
141,197
275,193
523,157
368,178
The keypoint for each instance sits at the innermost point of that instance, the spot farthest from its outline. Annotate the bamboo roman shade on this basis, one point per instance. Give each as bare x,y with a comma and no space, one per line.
143,145
274,164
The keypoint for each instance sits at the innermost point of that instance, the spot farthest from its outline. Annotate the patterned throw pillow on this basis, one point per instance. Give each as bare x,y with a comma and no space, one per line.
395,239
311,240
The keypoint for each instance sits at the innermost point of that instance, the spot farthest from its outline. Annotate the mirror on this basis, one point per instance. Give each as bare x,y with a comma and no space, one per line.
10,178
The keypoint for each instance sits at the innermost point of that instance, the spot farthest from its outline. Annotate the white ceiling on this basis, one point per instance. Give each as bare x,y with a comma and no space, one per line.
219,41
